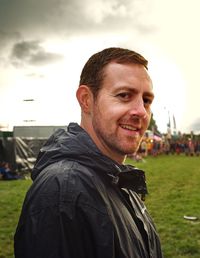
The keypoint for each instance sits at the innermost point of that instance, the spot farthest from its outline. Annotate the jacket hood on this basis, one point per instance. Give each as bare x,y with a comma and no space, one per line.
73,143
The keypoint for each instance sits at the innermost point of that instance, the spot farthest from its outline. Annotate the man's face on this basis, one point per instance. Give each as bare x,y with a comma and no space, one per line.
121,112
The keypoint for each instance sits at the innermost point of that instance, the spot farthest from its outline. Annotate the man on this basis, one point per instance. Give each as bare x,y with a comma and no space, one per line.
84,202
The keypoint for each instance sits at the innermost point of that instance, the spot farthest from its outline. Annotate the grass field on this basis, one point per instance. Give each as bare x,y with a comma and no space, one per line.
174,191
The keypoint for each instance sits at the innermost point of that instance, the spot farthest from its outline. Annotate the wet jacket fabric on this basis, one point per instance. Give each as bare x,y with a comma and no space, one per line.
82,204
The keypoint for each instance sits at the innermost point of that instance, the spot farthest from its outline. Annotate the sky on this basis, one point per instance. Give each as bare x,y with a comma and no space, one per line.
44,45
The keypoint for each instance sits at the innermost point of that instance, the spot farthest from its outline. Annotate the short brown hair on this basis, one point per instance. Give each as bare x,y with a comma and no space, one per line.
92,74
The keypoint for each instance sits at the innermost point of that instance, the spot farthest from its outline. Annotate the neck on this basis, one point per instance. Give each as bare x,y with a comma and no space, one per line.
119,158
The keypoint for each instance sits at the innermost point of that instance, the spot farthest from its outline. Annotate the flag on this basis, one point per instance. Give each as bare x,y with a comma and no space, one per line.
169,124
174,121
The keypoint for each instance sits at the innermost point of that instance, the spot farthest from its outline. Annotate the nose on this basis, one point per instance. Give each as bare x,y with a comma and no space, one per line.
137,108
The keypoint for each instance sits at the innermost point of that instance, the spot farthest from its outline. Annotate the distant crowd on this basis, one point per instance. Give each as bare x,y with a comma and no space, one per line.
149,146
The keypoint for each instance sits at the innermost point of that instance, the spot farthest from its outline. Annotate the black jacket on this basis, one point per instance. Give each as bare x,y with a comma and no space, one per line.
84,205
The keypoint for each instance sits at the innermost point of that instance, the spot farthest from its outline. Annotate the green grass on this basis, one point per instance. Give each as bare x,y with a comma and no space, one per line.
11,198
174,191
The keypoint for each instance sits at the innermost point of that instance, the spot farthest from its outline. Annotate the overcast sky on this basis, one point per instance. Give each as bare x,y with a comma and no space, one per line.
44,44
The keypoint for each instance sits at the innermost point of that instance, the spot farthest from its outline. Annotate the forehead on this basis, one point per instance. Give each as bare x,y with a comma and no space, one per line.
127,75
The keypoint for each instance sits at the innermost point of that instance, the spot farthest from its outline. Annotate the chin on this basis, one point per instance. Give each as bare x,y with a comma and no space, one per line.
130,151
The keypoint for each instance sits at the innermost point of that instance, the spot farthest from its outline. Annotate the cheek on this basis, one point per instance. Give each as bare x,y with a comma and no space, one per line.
111,111
119,110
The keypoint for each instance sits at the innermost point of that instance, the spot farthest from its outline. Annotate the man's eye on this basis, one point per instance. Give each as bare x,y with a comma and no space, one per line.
147,101
124,95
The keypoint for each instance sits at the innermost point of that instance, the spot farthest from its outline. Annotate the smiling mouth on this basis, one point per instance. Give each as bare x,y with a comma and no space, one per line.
130,128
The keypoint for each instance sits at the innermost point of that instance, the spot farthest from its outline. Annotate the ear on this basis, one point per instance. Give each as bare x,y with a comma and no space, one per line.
85,98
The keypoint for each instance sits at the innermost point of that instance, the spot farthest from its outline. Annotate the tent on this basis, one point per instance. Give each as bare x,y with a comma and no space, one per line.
7,149
21,147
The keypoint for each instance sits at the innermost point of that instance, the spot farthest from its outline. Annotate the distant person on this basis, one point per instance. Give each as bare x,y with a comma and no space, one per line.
6,172
143,148
191,147
197,148
84,201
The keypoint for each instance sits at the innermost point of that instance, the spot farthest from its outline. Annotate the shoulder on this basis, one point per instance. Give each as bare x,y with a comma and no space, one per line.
67,176
64,184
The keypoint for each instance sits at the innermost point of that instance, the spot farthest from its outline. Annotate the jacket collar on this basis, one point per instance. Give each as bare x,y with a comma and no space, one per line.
124,176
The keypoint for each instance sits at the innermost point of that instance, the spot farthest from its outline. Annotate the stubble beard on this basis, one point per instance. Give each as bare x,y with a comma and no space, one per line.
115,144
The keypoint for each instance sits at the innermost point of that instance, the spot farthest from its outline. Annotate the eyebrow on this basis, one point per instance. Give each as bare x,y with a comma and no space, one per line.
149,94
127,88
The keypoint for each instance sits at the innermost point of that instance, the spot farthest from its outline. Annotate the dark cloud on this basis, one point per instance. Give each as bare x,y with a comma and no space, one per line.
47,17
5,37
31,52
25,23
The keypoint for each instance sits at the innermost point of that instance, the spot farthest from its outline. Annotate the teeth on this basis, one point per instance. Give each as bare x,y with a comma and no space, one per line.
129,127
